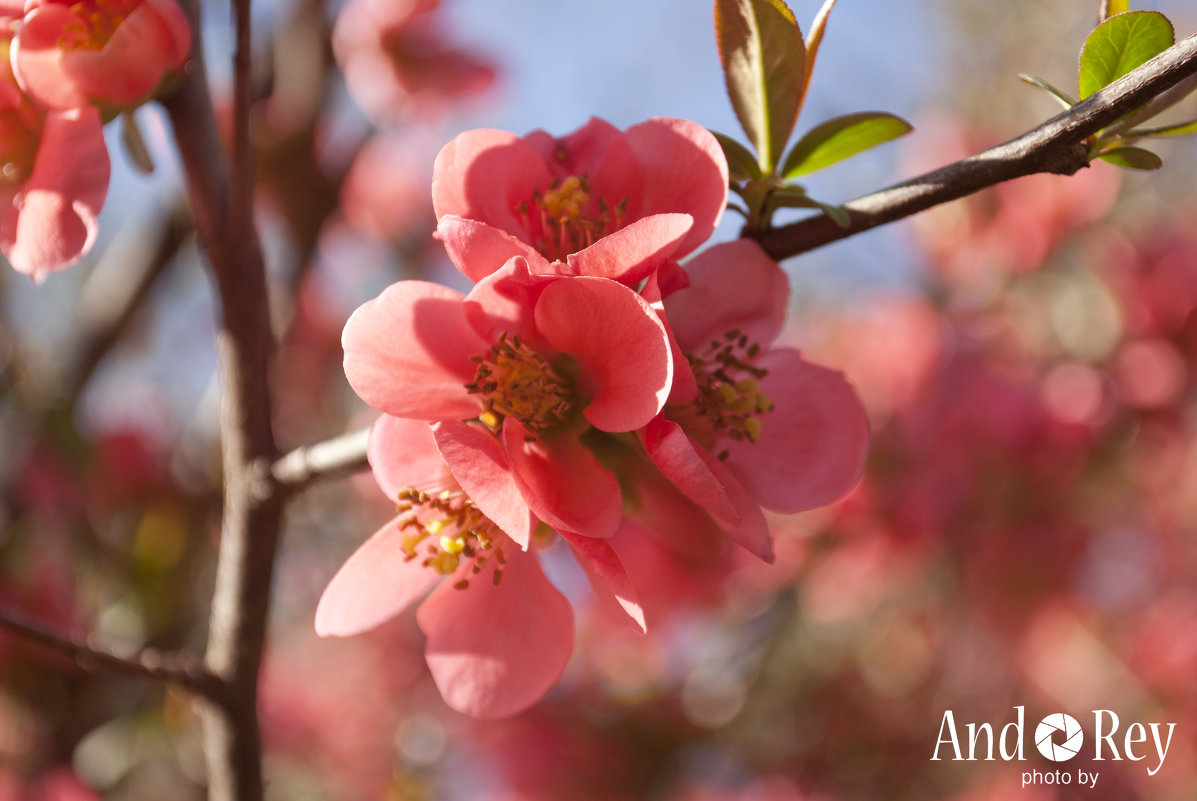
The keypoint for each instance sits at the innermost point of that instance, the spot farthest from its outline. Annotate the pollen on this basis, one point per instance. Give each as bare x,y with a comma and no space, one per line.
468,540
729,402
568,217
516,381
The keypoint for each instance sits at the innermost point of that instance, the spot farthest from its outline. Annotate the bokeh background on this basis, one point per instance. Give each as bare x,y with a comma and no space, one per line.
1025,533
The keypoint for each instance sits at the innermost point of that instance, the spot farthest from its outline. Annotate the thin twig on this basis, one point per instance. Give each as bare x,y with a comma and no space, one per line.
333,458
1057,146
144,664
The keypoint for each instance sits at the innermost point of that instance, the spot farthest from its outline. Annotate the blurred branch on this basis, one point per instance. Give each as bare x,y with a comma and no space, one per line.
333,458
1057,146
146,664
222,207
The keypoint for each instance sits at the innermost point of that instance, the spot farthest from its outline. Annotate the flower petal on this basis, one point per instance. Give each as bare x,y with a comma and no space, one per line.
503,302
484,175
562,481
685,387
376,583
402,453
37,59
678,460
52,222
480,467
707,482
608,577
748,529
478,249
660,508
407,352
130,65
682,169
495,649
813,444
734,285
578,152
621,348
631,253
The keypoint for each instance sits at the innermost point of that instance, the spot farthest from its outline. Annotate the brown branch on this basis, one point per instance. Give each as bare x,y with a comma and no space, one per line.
252,521
1057,146
333,458
144,664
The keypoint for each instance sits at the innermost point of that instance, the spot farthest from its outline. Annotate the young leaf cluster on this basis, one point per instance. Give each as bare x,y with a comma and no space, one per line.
1122,41
767,65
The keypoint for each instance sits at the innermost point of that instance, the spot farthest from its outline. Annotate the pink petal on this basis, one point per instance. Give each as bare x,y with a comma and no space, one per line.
52,222
130,65
608,577
178,28
748,529
678,460
478,249
503,302
480,467
562,481
621,348
403,453
706,481
813,444
407,352
660,508
496,649
631,253
37,60
685,387
484,175
682,169
578,152
376,583
733,286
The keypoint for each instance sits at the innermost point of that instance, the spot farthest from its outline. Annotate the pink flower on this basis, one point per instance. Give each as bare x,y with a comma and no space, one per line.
498,634
52,183
395,62
761,427
530,364
595,202
110,53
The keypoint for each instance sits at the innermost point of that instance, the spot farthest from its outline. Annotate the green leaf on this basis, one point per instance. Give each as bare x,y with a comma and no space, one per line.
1179,129
814,38
1035,80
841,137
1120,44
763,57
1135,158
741,164
1111,7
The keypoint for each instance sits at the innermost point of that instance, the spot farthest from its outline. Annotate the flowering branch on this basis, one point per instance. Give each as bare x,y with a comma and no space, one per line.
1057,146
252,521
148,663
333,458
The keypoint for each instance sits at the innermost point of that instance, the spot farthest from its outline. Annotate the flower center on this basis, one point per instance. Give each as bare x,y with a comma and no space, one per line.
95,22
729,402
448,530
562,220
516,381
